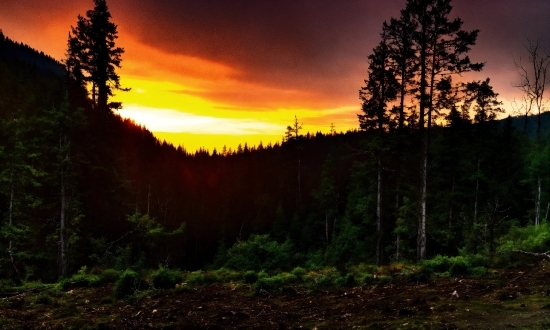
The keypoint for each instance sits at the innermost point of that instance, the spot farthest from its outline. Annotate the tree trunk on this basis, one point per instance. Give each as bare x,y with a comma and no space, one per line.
537,202
378,211
451,202
326,225
421,240
63,144
10,251
148,199
477,191
397,218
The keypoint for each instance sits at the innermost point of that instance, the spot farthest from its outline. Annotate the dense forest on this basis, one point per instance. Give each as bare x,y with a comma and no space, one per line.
429,171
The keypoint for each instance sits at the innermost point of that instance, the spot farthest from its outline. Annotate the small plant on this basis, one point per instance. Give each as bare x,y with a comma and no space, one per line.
325,281
195,278
109,276
165,278
299,272
127,284
79,280
250,277
384,279
369,279
269,284
349,280
43,298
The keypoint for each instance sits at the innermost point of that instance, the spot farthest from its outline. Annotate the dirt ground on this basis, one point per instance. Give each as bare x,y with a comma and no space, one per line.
515,299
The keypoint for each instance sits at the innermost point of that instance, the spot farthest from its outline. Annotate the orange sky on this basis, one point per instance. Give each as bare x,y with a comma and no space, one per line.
209,73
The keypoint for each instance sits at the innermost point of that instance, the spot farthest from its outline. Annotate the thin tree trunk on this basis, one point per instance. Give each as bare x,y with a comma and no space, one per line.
421,238
537,202
421,243
148,198
10,245
397,218
378,210
64,205
326,225
451,202
477,191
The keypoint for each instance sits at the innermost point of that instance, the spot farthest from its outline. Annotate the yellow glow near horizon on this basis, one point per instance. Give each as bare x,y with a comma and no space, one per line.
170,92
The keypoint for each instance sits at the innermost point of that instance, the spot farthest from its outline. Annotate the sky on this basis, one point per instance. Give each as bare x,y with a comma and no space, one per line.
213,73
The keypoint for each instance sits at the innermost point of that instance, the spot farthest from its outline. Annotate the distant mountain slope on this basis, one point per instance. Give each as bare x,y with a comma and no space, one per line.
531,129
12,51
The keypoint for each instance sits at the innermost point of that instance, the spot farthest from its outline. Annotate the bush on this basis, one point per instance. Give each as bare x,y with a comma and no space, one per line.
299,272
165,278
452,266
348,280
109,276
250,277
195,278
325,281
43,298
269,283
127,284
261,252
368,279
384,279
78,281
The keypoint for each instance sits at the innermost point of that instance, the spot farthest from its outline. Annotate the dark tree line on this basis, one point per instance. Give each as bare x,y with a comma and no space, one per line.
430,170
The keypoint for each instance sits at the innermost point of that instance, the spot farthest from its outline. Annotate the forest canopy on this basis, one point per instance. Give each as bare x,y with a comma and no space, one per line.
431,169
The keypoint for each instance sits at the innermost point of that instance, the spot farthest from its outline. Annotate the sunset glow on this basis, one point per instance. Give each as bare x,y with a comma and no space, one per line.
213,79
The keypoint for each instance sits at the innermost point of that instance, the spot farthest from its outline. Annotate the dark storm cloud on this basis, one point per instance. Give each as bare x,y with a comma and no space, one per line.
313,48
319,45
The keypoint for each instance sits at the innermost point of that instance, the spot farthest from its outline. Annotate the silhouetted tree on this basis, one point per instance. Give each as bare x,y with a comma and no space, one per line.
92,55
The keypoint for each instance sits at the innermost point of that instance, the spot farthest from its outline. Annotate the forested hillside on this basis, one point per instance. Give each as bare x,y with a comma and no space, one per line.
81,186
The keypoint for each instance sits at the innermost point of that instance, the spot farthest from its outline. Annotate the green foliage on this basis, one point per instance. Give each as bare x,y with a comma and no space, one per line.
530,238
165,278
80,279
109,276
347,280
261,252
274,283
195,278
43,298
459,265
250,277
299,272
128,283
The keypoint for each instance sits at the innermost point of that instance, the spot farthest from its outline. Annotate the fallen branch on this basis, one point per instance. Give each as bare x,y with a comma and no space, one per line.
545,255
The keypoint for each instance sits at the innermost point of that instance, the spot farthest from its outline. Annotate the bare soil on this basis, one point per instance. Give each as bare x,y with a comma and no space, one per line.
514,299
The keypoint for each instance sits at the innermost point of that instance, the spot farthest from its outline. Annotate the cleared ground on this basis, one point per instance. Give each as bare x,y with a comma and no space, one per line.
514,299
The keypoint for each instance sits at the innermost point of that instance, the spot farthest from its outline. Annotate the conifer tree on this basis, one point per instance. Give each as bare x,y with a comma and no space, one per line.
93,55
381,89
441,47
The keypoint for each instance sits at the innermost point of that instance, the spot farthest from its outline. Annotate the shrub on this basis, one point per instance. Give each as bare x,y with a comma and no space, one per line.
261,252
43,298
250,277
109,276
384,279
269,283
325,281
79,280
195,278
165,278
299,272
368,279
127,284
459,265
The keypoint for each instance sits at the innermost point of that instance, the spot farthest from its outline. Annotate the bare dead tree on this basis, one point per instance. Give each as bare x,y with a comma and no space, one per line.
533,80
